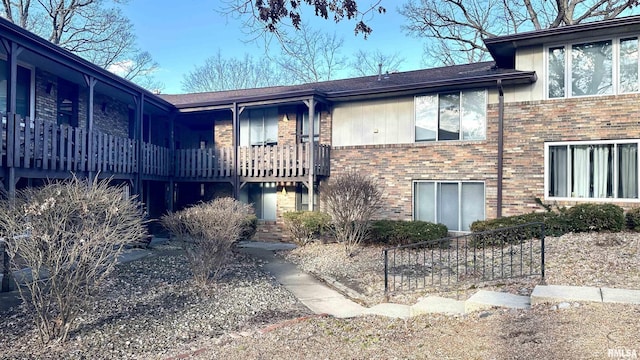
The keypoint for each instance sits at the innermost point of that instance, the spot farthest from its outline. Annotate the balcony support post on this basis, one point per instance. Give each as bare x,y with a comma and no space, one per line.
172,145
91,83
235,175
311,104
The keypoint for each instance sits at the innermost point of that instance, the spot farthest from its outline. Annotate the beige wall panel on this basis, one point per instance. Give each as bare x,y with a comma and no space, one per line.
373,122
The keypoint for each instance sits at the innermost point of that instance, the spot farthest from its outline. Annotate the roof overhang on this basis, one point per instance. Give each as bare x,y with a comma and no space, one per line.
503,48
483,81
48,56
280,98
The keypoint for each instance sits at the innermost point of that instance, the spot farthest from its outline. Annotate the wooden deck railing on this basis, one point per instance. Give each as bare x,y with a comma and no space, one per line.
45,145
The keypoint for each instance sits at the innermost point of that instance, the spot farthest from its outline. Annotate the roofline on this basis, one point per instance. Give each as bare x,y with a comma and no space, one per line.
66,58
513,78
502,48
564,30
521,77
287,96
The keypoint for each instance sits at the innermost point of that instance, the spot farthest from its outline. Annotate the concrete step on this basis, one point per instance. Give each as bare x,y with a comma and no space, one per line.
621,296
436,304
559,293
484,300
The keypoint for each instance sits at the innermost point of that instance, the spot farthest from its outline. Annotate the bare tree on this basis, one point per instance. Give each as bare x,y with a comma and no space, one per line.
310,55
219,73
368,63
454,29
91,29
352,200
268,16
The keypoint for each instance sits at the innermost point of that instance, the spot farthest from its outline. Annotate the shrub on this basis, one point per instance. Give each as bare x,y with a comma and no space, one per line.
69,234
207,232
398,232
249,227
305,226
596,217
633,219
352,200
555,224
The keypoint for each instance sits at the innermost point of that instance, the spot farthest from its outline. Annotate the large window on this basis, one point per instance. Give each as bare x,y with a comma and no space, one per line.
454,204
592,170
451,116
23,89
263,198
259,127
593,68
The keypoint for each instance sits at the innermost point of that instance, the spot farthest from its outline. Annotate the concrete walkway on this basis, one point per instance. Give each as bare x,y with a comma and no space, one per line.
322,299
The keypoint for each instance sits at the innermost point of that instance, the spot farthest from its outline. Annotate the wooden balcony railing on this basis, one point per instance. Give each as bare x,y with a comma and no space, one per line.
45,145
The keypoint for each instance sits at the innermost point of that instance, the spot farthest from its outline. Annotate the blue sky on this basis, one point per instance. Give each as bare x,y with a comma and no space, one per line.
181,37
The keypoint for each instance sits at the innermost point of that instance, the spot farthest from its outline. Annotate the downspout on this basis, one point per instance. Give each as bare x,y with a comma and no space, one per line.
500,147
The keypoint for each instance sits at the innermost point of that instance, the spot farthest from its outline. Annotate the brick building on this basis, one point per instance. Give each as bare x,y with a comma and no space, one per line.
551,117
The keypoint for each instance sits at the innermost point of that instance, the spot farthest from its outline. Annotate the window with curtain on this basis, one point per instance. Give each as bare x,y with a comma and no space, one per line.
459,115
259,127
262,196
593,68
592,170
454,204
23,89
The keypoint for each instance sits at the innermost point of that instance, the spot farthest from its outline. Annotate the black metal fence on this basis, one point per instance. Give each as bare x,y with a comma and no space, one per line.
467,259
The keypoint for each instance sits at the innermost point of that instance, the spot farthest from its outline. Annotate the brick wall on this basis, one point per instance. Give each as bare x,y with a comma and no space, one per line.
528,125
114,120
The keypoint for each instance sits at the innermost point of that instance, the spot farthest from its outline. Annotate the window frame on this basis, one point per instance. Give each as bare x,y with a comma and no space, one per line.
459,184
461,112
568,63
32,85
616,165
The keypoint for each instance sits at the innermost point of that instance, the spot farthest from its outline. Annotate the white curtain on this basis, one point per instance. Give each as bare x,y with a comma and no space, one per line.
601,171
580,183
558,173
628,172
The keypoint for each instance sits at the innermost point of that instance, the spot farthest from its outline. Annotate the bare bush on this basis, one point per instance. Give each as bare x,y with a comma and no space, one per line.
64,239
352,200
207,232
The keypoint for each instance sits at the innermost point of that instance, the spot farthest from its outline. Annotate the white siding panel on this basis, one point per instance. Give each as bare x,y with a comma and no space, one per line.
388,121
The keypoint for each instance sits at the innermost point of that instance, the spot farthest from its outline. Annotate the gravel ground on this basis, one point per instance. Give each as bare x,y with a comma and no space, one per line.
152,311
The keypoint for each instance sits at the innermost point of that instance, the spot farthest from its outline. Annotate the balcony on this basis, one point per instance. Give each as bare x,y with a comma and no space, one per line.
42,148
264,163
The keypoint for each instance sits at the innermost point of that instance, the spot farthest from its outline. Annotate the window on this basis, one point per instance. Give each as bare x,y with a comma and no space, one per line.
302,198
592,170
451,116
259,127
263,198
23,89
303,127
67,103
454,204
587,69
